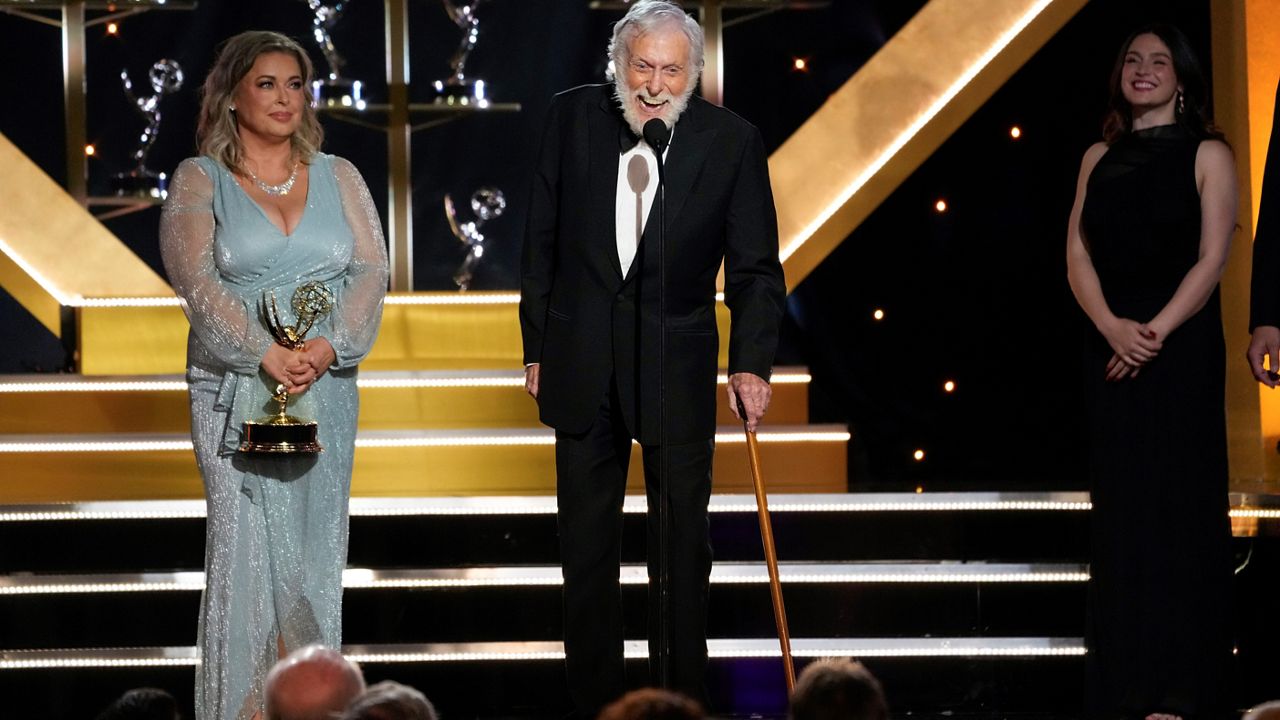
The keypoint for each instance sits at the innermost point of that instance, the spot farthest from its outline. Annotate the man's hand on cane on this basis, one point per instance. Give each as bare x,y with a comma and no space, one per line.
531,379
754,392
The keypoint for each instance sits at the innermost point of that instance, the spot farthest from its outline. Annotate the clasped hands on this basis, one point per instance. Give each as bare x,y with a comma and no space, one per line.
297,369
1134,344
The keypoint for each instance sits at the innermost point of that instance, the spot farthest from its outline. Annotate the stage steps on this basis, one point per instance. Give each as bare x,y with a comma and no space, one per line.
902,580
421,433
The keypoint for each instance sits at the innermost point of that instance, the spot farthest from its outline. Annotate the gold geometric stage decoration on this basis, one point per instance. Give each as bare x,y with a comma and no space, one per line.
53,253
894,112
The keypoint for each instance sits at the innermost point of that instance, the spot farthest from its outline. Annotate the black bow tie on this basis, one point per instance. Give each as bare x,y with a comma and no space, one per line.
626,138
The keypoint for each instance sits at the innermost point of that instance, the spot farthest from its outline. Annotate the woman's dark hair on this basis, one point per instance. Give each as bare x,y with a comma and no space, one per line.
1195,117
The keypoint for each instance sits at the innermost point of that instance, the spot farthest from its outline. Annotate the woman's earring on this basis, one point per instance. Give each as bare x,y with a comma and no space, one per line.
1182,103
232,108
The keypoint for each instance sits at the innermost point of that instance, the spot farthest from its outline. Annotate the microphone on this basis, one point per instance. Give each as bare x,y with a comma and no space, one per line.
657,135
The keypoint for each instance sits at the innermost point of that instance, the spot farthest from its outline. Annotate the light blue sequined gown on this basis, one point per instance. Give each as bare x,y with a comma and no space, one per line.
276,539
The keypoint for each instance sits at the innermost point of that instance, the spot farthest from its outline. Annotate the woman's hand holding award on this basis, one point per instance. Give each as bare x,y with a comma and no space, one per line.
283,433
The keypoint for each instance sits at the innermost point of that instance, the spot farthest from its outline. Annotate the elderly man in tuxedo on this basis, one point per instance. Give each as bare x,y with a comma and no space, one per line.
589,314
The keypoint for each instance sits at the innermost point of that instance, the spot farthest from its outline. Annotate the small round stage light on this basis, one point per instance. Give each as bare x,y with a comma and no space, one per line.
878,314
1015,132
918,455
800,64
940,206
90,150
919,489
949,386
113,29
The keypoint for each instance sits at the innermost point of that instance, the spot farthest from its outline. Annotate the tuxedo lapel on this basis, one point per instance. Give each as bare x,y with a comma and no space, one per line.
603,172
689,145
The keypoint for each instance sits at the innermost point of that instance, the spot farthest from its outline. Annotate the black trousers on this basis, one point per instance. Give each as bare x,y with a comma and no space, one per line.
591,474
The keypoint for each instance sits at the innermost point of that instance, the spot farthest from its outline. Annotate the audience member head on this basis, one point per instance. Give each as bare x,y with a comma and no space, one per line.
390,700
1265,711
837,689
142,704
652,704
312,683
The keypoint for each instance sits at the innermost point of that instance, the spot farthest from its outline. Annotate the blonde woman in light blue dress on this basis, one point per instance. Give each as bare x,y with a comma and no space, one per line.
262,211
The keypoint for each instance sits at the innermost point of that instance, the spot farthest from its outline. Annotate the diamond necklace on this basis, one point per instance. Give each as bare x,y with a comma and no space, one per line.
276,190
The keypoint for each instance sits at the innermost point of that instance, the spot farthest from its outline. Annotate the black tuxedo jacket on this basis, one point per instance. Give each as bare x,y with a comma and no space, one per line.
1264,298
586,323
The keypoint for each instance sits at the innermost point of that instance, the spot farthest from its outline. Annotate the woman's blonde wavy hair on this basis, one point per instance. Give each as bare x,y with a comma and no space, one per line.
217,133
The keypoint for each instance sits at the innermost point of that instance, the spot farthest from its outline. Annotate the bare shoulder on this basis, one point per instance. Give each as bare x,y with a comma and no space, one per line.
1215,155
1092,156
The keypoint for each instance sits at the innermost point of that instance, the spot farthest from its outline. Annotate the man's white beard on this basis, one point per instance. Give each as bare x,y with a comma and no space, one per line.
626,98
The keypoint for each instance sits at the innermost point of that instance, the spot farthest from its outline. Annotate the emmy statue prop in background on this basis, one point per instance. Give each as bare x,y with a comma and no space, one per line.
487,203
334,90
283,433
457,89
166,78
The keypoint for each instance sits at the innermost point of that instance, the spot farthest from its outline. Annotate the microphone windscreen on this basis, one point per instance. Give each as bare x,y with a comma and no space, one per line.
656,133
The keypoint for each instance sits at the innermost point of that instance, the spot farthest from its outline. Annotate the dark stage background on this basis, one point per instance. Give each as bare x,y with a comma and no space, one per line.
976,295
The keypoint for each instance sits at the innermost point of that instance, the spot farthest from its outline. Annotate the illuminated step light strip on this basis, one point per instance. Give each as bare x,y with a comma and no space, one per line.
404,439
70,300
1259,513
94,386
395,381
123,302
717,648
98,658
546,505
734,573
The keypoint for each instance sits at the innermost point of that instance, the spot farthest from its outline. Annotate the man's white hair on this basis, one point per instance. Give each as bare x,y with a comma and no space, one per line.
646,15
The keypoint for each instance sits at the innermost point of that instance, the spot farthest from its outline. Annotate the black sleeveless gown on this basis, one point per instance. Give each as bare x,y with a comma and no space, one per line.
1159,629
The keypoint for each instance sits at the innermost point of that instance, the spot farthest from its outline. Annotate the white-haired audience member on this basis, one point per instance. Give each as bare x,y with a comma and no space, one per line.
312,683
1265,711
389,700
838,689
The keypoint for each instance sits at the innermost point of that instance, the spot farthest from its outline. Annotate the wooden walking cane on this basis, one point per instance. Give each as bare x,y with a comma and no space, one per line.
770,553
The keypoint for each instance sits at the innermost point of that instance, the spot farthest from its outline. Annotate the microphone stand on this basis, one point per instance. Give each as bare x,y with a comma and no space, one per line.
657,137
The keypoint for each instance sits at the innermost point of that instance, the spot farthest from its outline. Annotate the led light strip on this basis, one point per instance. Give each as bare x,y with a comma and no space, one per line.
123,302
1259,513
633,504
458,299
732,573
496,298
501,379
718,648
913,129
546,505
402,439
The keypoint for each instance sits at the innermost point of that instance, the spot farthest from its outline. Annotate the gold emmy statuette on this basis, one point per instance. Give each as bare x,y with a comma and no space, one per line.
283,433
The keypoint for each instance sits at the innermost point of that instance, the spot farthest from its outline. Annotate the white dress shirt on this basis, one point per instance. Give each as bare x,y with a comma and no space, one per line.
637,187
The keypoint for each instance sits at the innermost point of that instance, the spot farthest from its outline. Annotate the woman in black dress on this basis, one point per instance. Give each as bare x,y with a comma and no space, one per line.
1147,240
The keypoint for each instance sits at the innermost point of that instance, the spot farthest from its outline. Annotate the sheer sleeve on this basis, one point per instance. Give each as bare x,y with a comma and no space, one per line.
359,313
226,325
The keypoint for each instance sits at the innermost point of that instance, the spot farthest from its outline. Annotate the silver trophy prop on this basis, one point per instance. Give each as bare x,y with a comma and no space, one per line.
487,203
457,89
166,79
334,90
